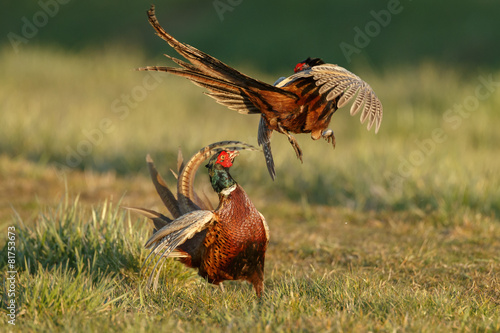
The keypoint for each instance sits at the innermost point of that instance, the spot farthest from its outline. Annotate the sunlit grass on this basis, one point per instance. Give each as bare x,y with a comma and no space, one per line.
381,273
94,111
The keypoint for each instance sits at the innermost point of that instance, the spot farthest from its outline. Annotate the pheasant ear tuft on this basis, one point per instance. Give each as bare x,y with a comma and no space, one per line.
301,66
308,63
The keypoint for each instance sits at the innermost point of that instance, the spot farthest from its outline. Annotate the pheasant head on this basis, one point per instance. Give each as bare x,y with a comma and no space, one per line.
218,170
308,63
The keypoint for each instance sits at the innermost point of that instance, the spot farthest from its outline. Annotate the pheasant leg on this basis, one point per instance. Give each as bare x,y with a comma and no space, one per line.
293,142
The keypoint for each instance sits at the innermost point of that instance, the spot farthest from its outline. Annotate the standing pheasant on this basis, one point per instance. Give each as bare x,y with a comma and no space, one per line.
301,103
228,243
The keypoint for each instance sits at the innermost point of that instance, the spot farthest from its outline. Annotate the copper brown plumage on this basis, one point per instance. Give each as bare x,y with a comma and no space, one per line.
228,243
301,103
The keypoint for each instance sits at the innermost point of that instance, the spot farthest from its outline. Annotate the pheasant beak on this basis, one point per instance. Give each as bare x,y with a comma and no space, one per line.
233,154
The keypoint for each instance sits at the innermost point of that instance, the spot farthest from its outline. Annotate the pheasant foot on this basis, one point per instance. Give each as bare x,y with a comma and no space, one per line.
329,136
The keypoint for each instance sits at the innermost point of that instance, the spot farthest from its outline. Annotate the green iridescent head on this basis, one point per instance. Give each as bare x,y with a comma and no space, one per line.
218,170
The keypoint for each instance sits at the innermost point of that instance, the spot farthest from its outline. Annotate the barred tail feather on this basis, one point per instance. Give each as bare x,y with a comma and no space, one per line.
164,192
264,140
158,219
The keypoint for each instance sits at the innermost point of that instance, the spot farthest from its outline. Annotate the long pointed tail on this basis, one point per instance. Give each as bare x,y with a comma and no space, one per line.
203,62
225,84
224,92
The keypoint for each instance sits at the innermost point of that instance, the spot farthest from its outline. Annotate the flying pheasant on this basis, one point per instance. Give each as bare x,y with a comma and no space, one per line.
228,243
301,103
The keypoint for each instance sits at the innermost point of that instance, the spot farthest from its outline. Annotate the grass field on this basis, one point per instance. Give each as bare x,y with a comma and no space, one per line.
394,232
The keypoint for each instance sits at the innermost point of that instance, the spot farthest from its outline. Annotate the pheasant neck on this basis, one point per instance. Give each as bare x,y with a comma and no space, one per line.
221,179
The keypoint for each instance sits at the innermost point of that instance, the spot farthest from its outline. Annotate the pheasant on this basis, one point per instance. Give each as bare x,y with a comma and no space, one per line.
301,103
228,243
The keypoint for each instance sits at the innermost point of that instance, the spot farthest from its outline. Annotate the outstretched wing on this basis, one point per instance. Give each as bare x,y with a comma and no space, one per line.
179,230
335,82
164,242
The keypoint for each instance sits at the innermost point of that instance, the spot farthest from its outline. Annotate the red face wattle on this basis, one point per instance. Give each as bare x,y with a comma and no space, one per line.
226,158
299,67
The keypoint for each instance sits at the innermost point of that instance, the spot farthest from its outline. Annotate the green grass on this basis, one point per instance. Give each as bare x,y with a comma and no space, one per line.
81,264
356,244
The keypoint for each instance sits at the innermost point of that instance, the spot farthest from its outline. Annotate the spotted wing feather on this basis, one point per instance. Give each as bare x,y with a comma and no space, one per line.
165,241
336,81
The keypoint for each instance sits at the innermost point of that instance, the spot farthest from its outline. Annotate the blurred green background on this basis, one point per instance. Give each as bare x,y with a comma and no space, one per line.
274,35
